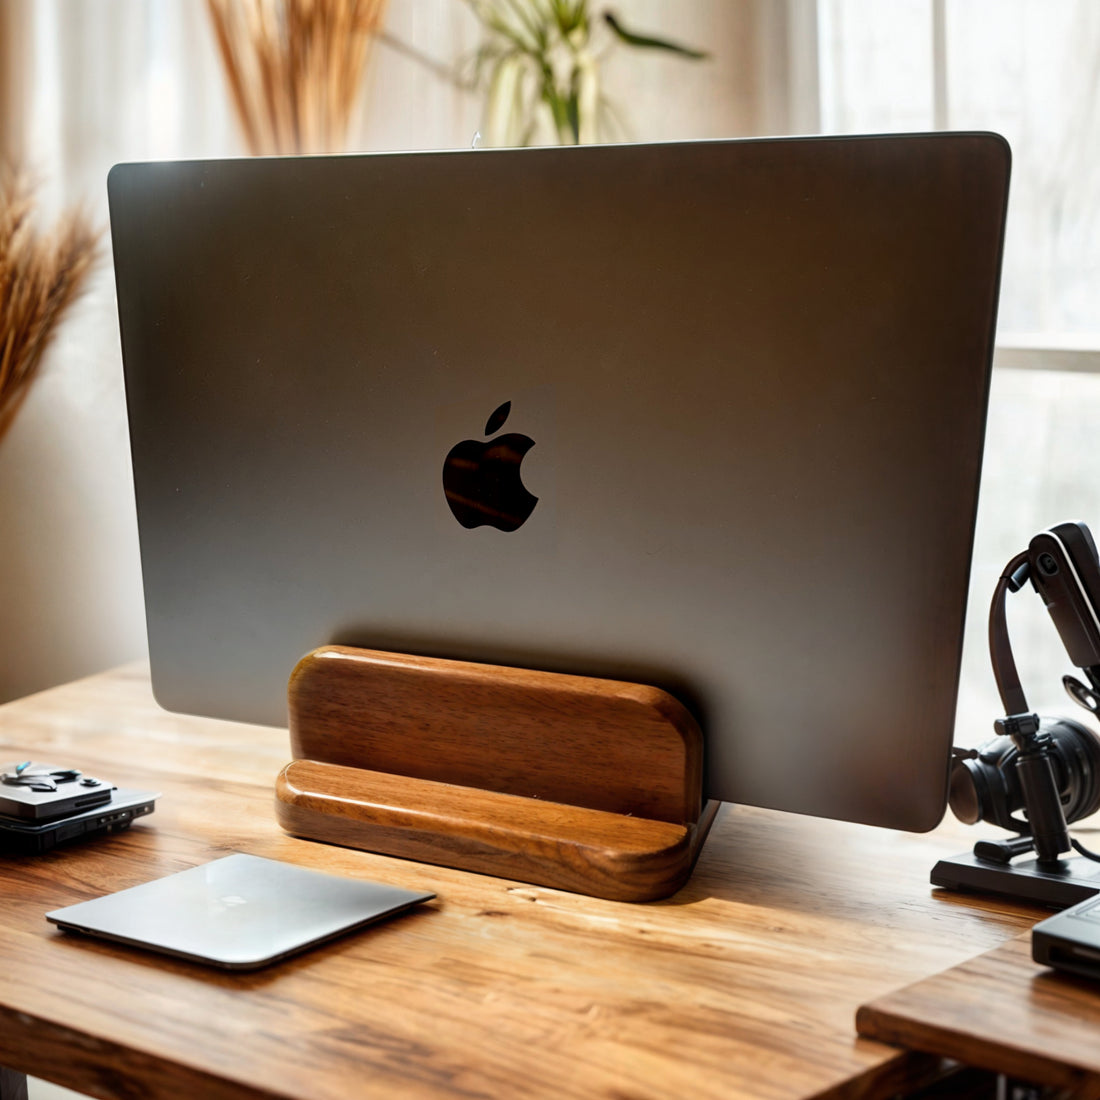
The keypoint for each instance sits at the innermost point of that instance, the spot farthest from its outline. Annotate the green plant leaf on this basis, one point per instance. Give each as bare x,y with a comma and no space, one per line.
534,25
649,42
573,107
570,15
553,99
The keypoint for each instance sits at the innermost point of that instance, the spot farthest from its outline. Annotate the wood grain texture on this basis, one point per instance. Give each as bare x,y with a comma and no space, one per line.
745,984
604,744
565,781
1000,1011
568,847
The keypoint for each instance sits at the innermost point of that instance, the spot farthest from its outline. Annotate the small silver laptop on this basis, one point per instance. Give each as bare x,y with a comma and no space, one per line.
239,912
703,415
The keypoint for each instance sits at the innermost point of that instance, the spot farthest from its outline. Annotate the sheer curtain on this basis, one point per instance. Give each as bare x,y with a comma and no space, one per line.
97,83
88,83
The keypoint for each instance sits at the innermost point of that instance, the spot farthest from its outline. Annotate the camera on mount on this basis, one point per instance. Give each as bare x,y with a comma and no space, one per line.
1039,774
985,786
42,806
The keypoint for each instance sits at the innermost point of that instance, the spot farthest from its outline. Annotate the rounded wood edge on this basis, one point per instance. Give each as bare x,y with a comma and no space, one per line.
341,673
643,696
308,664
284,789
301,687
341,791
668,707
592,866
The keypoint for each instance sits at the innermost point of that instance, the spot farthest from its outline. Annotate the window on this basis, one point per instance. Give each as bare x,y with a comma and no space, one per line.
1030,70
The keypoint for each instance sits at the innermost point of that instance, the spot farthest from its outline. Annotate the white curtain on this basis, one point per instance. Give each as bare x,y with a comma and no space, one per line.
97,83
93,82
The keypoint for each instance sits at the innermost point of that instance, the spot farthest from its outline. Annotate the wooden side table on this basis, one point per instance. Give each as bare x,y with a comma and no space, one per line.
1002,1012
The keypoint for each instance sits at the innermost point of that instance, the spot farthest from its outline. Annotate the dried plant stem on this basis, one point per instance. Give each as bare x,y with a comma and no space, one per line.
39,277
294,68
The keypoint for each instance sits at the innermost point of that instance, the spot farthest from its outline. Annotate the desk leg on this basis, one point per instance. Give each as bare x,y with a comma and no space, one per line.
13,1086
965,1083
1009,1088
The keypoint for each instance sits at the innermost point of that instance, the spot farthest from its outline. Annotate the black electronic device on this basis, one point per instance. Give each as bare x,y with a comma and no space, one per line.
1048,768
41,792
21,836
1070,940
1064,570
986,786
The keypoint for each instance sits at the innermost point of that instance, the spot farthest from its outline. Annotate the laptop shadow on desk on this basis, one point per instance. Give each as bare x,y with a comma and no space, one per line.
774,860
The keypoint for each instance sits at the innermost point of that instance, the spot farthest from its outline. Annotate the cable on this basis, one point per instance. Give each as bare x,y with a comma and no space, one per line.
1012,579
1079,847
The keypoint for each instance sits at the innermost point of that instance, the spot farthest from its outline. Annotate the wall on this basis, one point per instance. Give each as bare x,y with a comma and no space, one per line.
100,81
97,86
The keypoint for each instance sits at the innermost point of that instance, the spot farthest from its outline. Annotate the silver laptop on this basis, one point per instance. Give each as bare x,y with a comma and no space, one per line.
703,415
239,912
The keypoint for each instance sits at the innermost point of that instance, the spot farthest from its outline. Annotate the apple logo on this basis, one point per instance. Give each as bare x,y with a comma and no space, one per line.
482,479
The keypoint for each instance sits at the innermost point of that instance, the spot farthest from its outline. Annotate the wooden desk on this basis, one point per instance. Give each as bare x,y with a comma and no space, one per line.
745,984
1000,1011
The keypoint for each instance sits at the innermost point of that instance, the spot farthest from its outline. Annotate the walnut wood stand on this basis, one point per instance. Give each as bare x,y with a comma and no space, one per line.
588,785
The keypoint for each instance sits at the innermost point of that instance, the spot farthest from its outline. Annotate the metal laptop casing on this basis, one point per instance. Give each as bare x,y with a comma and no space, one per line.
755,374
239,912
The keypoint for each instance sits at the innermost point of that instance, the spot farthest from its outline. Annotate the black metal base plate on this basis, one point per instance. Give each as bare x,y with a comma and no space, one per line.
1057,886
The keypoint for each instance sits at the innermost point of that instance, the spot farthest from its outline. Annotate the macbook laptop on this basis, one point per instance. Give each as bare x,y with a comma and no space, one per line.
239,912
702,415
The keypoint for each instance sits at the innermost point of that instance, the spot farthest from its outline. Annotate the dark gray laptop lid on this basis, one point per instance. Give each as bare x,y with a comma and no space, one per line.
754,374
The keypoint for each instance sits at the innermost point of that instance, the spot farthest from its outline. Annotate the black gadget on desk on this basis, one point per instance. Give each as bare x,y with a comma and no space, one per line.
1070,940
1047,769
42,805
38,792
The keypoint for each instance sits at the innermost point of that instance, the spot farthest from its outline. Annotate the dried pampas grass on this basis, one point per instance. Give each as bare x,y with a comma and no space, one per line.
295,68
40,275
